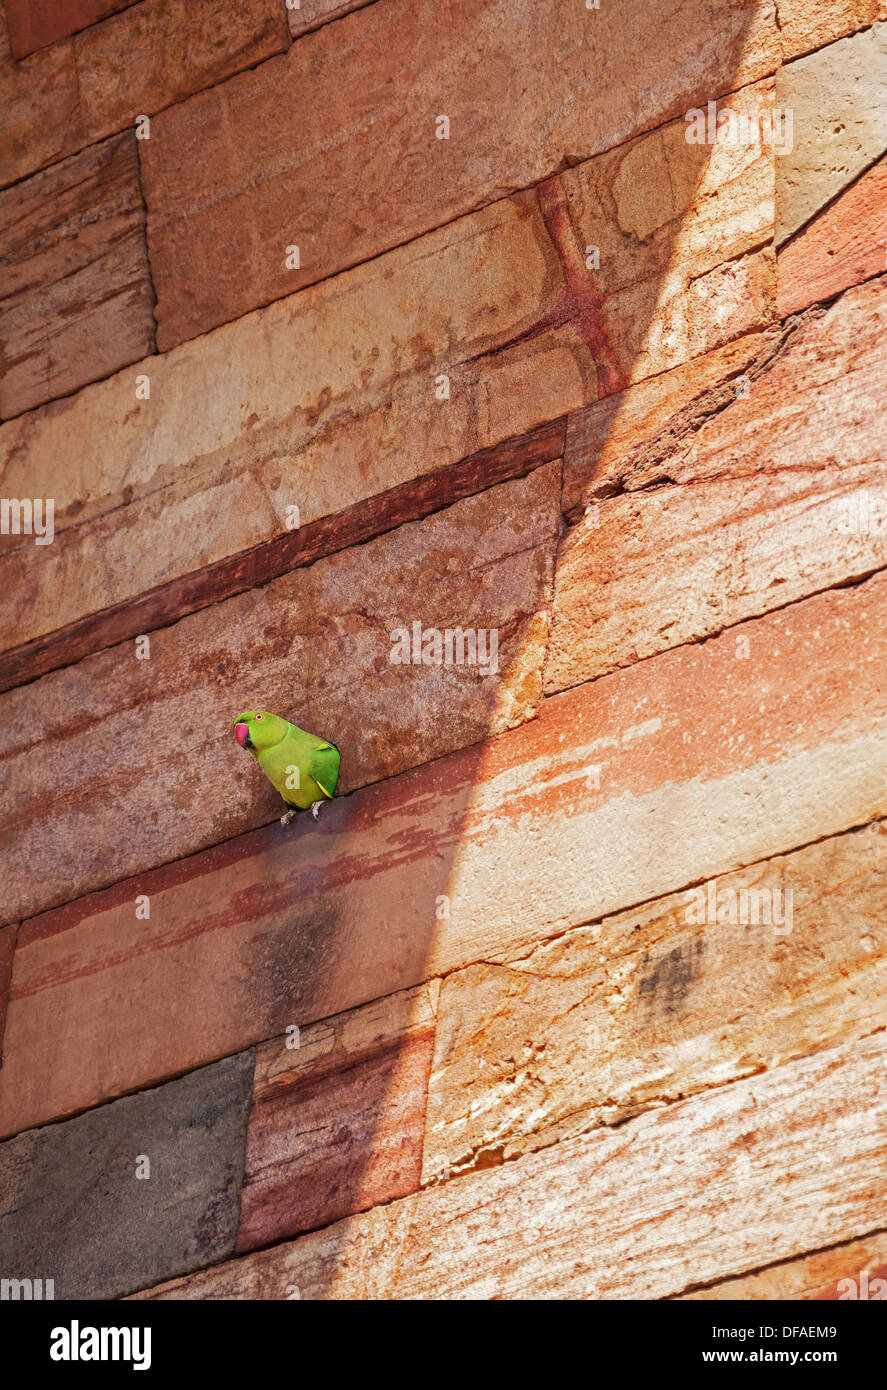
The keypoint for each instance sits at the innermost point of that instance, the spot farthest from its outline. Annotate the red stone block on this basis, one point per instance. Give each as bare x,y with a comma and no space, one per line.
337,1125
36,24
845,244
76,301
857,1285
147,56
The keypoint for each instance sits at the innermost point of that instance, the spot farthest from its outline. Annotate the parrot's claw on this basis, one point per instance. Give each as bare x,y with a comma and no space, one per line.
315,808
289,817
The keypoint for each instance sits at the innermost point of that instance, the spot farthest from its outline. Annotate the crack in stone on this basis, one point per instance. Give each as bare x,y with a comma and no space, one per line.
692,418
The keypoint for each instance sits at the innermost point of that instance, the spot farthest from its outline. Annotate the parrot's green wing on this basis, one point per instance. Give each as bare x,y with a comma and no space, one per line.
323,765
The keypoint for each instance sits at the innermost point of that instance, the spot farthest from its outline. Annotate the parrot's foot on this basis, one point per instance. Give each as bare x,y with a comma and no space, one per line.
315,808
289,817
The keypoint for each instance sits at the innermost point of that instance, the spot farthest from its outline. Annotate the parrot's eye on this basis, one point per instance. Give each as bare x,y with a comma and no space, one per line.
259,716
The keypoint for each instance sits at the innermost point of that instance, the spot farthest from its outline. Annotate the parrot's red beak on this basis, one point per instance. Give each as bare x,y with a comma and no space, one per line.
241,733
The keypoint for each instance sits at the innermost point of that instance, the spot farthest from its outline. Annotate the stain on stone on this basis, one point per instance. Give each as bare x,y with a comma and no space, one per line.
665,982
286,969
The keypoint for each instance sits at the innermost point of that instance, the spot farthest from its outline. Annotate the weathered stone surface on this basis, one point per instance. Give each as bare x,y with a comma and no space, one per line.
148,56
842,246
46,82
674,224
811,1276
255,396
684,1195
659,1002
355,525
34,24
232,435
745,500
698,436
336,1126
221,172
7,951
311,14
475,862
74,1208
602,436
808,24
158,489
836,96
650,571
862,1284
567,819
76,301
148,742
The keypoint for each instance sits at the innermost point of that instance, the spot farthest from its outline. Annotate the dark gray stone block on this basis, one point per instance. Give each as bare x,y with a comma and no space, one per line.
73,1209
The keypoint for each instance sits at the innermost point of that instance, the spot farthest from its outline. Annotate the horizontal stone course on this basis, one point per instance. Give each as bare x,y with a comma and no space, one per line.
147,743
676,770
271,412
677,1197
362,521
768,963
221,171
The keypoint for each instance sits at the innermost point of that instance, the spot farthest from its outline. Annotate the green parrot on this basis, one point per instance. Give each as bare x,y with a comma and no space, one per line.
302,767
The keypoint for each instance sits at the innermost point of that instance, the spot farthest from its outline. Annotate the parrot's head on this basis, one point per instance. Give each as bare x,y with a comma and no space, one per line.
257,729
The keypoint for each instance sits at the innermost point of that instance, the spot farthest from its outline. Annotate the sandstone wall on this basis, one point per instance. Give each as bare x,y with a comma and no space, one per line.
578,990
